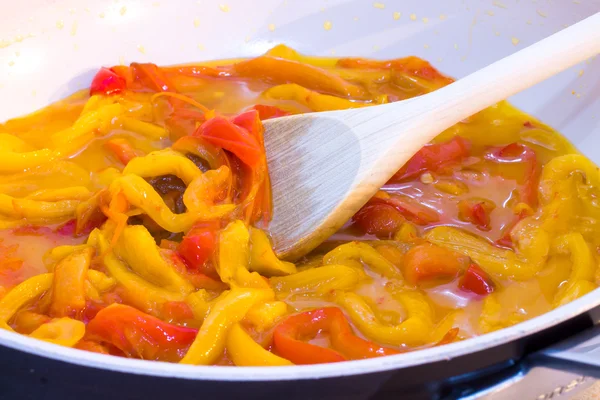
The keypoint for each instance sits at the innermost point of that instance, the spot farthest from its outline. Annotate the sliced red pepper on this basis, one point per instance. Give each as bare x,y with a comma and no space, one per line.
149,77
434,157
427,262
410,209
140,335
223,133
268,112
205,277
288,335
477,212
476,280
199,244
177,311
122,149
378,218
94,347
107,82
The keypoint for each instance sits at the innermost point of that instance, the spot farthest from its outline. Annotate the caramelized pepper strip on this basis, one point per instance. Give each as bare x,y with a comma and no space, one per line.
425,262
416,330
244,351
140,335
280,70
22,294
345,344
229,309
63,331
163,162
68,286
138,249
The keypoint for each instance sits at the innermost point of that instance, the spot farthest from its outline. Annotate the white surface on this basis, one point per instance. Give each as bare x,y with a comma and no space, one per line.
49,48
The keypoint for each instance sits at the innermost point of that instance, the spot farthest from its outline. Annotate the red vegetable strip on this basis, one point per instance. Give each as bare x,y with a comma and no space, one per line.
476,280
378,218
434,157
426,262
140,335
287,338
107,82
268,112
122,149
223,133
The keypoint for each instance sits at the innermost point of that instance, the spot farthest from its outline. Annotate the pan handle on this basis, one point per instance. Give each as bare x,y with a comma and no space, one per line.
556,372
579,354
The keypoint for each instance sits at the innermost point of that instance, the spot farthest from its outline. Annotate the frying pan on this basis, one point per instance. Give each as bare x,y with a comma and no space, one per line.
50,48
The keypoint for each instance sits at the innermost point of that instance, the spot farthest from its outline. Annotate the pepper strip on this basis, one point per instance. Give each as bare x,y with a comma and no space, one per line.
22,294
416,330
163,162
345,344
245,352
63,331
212,337
364,253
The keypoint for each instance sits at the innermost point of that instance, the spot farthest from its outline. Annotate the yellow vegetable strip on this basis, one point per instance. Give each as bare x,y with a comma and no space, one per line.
70,193
143,294
362,252
163,162
415,330
25,292
245,352
68,285
141,194
262,258
64,331
234,258
87,126
32,209
11,162
493,260
211,339
137,248
264,316
321,280
147,129
311,99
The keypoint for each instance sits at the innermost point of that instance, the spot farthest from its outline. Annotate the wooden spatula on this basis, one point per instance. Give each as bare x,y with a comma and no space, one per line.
325,166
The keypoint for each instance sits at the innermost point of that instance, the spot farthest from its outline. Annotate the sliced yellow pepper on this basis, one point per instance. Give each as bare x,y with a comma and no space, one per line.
415,330
231,308
64,331
362,252
137,248
264,316
164,162
234,258
262,258
311,99
320,280
245,352
25,292
140,292
493,260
